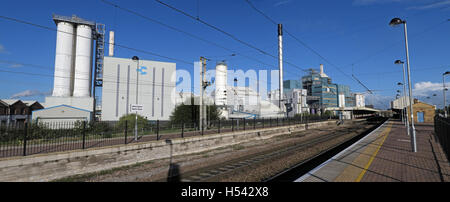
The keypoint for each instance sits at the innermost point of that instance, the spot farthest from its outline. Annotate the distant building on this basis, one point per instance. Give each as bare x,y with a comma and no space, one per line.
322,93
360,100
17,111
297,98
62,114
423,112
400,102
289,85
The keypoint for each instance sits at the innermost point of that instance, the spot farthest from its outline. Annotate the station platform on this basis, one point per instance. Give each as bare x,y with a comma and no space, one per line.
385,155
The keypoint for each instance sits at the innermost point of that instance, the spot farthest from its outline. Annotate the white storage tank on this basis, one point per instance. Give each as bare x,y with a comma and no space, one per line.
221,84
83,62
63,60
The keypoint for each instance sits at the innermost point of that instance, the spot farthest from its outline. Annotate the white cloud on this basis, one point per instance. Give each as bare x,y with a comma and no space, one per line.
16,65
378,101
282,3
427,88
29,93
371,2
2,49
431,5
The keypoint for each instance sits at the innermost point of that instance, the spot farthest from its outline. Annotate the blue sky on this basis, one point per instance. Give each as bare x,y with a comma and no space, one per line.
352,34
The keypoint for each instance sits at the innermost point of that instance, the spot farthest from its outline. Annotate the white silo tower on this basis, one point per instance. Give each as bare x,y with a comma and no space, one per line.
73,63
64,60
221,84
83,61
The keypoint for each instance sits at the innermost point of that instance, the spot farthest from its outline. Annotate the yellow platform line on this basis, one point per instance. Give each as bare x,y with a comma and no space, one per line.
364,159
361,175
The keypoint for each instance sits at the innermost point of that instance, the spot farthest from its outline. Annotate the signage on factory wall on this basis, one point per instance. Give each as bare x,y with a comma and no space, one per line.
136,108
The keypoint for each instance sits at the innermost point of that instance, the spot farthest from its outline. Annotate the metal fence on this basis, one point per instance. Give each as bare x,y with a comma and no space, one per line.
442,131
35,138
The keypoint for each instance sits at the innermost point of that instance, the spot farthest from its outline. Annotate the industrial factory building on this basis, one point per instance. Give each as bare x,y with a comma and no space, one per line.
143,82
150,84
72,86
238,101
123,81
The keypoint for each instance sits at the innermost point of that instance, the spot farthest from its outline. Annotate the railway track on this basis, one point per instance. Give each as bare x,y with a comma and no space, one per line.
210,172
303,167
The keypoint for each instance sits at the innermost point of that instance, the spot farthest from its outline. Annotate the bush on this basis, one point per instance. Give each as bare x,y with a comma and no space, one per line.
130,120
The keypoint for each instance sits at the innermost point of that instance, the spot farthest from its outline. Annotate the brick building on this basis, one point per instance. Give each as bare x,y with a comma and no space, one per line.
423,112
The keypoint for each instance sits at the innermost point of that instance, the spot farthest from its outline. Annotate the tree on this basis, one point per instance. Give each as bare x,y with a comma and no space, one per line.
131,119
190,113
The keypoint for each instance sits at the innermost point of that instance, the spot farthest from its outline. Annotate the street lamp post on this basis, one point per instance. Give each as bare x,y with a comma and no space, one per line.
136,58
444,89
405,105
394,22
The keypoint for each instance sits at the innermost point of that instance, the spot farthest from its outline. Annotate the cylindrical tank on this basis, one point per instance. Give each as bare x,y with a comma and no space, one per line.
83,62
63,60
221,84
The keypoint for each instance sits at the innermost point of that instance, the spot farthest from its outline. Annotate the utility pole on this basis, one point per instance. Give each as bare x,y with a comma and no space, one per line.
203,85
444,89
200,124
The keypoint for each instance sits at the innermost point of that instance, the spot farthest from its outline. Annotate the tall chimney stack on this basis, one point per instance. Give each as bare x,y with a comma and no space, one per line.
280,62
111,43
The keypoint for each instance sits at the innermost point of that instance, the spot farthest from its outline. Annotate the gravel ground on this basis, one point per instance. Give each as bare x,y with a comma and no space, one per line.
158,170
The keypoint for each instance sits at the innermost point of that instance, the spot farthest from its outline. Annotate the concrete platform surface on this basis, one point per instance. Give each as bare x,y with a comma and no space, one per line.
385,155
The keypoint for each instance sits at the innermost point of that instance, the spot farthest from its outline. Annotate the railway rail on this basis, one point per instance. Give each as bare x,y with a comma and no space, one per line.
210,173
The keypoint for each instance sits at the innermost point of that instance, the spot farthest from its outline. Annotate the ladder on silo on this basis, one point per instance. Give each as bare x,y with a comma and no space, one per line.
99,56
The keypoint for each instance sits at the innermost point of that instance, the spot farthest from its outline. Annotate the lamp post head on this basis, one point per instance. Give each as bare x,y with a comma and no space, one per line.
399,62
400,84
135,58
447,72
398,91
396,21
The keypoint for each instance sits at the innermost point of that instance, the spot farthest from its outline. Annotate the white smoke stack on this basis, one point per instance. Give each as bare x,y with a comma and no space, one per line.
322,74
280,62
111,43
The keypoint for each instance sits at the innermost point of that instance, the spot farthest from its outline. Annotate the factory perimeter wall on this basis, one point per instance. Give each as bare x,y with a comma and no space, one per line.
47,167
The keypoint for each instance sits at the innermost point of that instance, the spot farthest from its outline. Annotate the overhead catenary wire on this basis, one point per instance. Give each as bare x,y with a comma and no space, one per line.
383,50
226,33
188,34
119,45
305,45
115,44
105,76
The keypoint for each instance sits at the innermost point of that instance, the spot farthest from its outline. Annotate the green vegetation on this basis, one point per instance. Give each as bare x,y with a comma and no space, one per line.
130,119
189,113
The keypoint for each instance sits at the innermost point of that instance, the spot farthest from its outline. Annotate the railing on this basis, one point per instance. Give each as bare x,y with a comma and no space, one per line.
442,131
36,138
